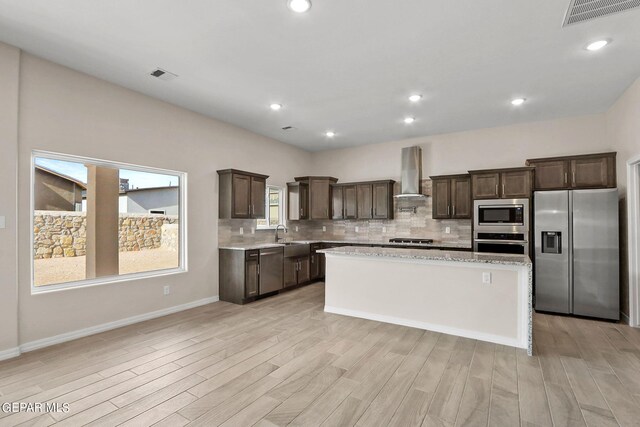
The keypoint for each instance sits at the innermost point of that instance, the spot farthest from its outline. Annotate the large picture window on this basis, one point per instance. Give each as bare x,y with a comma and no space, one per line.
97,221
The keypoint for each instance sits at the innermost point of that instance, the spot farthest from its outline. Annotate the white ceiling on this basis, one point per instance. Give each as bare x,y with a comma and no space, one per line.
347,66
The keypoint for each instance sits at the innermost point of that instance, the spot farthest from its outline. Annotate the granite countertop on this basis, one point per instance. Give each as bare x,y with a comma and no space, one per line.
435,244
432,255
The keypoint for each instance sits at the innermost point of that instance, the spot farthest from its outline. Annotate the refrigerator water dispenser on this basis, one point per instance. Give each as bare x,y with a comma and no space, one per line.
551,242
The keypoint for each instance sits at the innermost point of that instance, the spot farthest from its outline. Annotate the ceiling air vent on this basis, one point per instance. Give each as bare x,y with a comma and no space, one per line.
585,10
163,74
288,128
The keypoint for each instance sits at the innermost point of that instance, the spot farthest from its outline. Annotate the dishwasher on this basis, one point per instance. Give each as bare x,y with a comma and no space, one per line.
271,262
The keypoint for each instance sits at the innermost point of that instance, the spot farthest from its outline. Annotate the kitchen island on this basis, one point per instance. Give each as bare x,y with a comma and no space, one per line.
474,295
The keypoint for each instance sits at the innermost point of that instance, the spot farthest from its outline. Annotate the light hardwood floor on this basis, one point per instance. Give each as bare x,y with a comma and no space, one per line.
283,361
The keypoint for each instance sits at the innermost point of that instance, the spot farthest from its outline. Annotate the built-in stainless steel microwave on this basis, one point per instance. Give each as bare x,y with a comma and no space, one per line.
501,212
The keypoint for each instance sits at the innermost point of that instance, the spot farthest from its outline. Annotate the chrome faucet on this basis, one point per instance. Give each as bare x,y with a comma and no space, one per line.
278,229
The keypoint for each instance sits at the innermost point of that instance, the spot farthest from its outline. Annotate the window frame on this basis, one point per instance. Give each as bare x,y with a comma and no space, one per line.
182,216
281,208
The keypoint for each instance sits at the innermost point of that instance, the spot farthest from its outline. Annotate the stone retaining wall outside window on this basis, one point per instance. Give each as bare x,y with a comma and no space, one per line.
63,234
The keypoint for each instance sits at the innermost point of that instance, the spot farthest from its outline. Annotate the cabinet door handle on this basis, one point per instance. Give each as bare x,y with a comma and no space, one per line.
497,189
574,177
503,188
454,211
258,269
565,178
448,210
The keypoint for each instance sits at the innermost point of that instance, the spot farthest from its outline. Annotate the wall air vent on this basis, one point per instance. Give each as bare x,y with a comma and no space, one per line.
163,74
586,10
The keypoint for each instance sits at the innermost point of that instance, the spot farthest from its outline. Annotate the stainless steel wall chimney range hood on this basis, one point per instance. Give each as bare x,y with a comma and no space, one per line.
411,174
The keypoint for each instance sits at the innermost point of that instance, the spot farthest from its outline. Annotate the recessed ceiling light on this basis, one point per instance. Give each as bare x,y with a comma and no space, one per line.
409,120
299,6
275,107
415,98
330,134
518,101
597,45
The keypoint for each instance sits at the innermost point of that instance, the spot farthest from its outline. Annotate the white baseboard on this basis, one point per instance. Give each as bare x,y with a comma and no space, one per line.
68,336
10,353
497,339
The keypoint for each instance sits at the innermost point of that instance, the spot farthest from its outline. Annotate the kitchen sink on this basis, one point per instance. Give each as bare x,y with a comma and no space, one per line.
292,249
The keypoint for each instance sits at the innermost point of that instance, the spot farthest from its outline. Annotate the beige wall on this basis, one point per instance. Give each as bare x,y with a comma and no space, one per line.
9,71
68,112
506,146
623,130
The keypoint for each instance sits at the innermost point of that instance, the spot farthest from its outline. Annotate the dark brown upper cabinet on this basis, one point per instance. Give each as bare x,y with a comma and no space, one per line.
512,183
242,194
575,172
365,201
374,200
451,196
344,203
337,201
313,198
297,200
350,200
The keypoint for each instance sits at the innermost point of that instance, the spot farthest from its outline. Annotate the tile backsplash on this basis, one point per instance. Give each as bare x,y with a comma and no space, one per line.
406,223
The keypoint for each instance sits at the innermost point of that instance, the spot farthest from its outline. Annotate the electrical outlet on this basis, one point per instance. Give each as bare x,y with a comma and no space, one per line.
167,290
357,228
486,278
296,228
447,230
253,230
384,229
324,228
241,231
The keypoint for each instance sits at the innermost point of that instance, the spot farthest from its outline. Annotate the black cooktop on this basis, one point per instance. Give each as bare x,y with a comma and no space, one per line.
410,240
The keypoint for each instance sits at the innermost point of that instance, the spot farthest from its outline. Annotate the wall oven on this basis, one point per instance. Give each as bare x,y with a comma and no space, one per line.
501,226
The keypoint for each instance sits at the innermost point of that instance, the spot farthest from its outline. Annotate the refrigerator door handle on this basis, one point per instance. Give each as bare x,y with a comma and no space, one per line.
570,247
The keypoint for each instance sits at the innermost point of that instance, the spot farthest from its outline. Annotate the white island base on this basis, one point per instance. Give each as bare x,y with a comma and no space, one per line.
434,290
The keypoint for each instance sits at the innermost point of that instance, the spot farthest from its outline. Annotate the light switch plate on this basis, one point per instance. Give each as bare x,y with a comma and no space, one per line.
253,230
357,228
296,228
447,230
486,278
324,228
241,231
3,222
384,229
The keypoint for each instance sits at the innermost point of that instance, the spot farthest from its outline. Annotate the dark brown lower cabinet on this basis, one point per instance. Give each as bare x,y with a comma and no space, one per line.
290,272
296,271
252,278
314,272
239,276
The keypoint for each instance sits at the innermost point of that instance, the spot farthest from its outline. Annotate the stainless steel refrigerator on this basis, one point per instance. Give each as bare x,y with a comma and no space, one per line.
577,253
